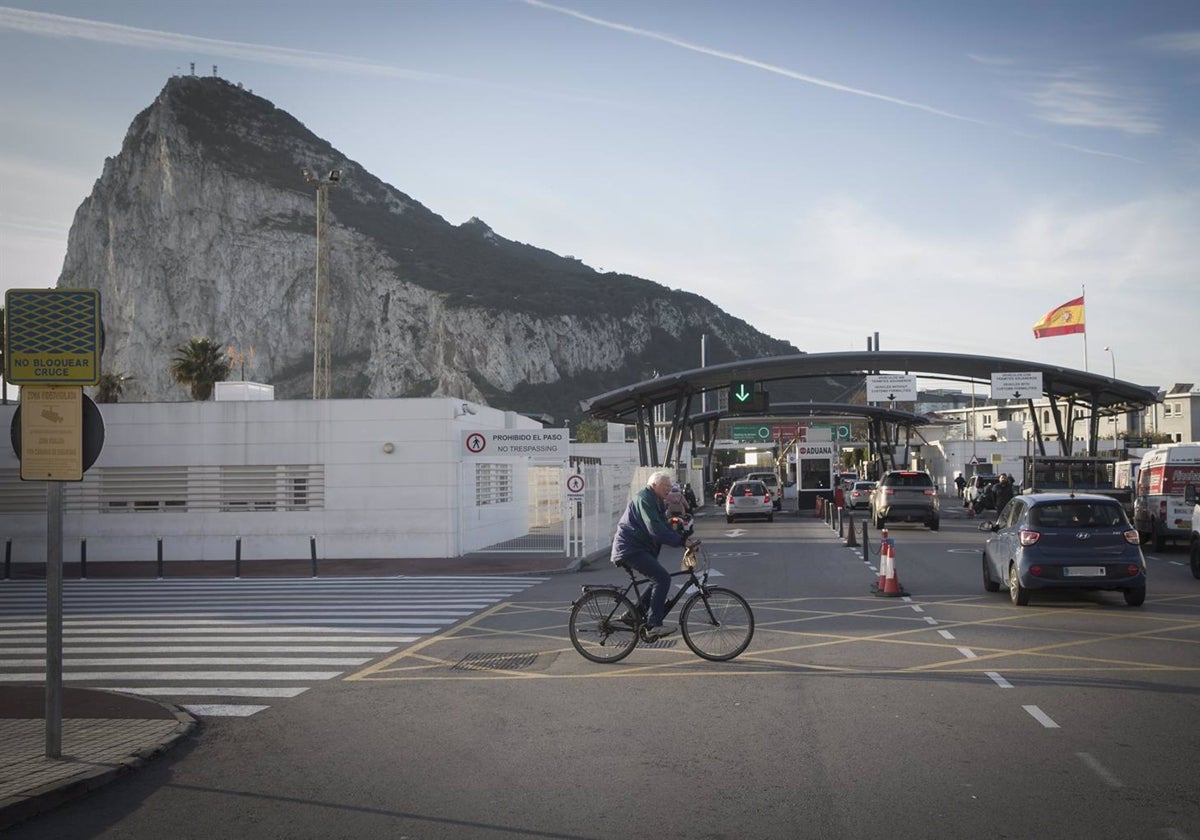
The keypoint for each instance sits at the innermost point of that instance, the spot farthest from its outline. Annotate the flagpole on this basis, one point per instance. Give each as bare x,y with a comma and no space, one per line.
1083,297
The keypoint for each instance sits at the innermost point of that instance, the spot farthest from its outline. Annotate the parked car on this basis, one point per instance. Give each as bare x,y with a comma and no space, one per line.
859,495
1064,541
749,498
772,482
906,496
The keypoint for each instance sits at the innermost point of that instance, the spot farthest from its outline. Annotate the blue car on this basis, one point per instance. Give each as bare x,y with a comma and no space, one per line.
1063,541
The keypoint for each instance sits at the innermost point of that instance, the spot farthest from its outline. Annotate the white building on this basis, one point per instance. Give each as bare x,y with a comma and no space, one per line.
370,478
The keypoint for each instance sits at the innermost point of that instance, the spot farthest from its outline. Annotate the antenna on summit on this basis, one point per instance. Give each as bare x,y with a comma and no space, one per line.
193,72
214,69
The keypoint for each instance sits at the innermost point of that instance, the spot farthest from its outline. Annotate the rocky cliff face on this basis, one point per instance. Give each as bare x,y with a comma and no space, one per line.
204,226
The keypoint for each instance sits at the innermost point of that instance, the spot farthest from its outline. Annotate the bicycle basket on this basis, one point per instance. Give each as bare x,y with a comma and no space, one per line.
689,561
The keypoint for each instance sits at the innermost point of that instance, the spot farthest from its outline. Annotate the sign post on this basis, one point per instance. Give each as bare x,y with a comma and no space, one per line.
52,348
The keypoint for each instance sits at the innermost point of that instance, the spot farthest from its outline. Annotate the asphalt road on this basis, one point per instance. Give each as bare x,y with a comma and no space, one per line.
948,714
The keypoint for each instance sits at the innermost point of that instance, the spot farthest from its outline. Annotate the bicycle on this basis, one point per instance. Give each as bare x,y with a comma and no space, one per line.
716,623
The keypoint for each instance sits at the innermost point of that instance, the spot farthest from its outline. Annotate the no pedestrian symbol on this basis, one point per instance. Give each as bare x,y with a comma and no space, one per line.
575,485
476,443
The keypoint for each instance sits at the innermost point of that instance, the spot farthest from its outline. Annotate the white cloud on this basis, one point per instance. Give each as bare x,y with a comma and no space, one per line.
1175,42
1075,97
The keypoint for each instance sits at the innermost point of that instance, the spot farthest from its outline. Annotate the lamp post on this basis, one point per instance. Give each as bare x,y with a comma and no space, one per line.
1113,357
321,337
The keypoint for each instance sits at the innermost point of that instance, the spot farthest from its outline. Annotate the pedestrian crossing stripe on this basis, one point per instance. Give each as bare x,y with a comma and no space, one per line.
269,639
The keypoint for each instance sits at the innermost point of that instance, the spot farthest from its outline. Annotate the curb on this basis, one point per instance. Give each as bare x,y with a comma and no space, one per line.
18,809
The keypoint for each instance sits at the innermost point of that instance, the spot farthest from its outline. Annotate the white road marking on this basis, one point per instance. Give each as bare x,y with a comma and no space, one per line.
917,608
224,710
999,680
1041,717
968,653
213,691
206,676
946,634
1100,770
86,662
931,620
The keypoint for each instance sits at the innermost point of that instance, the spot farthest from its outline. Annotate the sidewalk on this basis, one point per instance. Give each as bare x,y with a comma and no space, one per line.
106,734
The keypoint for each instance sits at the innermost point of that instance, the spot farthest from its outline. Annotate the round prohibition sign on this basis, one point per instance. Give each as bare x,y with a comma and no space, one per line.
476,443
575,483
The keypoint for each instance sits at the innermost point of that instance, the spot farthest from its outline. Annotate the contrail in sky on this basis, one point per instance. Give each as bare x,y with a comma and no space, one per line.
792,74
59,26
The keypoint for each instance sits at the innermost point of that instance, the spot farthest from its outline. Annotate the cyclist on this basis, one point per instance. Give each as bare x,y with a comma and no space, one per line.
640,536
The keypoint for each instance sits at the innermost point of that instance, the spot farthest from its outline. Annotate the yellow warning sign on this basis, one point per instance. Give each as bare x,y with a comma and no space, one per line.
52,336
52,433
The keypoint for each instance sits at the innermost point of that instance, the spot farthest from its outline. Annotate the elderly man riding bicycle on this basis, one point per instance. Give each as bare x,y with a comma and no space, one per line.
641,534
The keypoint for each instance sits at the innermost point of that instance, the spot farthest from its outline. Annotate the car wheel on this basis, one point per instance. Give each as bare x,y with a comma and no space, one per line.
1196,559
1160,540
989,585
1018,593
935,524
1135,597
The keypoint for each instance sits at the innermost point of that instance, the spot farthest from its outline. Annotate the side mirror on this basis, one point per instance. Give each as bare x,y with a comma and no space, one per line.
986,526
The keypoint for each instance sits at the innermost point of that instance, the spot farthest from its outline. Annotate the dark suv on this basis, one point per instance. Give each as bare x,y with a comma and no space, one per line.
906,496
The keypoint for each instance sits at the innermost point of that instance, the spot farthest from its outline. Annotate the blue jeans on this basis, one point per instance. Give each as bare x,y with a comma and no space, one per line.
649,566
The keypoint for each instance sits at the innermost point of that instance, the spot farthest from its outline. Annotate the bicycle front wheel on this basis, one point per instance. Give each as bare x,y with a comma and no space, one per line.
600,629
717,624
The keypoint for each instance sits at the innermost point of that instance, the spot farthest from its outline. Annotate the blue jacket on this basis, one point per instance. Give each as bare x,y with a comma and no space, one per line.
643,529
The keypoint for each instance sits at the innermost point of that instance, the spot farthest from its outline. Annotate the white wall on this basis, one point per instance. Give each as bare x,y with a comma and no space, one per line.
402,503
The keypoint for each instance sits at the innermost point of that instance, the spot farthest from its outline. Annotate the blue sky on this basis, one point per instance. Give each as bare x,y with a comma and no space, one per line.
940,172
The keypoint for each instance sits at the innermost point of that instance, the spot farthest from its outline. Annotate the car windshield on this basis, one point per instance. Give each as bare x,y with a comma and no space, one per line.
1077,513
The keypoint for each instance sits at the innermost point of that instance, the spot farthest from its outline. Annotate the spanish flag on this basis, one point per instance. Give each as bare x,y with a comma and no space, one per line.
1062,320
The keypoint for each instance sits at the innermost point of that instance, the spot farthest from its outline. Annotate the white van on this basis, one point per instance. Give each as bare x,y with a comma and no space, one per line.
772,482
1159,510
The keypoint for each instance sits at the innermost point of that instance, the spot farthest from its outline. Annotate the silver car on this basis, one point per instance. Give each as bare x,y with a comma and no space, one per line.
749,498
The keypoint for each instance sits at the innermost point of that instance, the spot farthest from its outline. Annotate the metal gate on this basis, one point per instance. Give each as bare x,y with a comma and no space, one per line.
540,507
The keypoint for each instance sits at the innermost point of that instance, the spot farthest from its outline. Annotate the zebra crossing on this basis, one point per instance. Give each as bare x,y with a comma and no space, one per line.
212,646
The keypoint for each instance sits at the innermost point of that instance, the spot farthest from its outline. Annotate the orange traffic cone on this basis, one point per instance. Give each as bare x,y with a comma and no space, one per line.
885,559
889,582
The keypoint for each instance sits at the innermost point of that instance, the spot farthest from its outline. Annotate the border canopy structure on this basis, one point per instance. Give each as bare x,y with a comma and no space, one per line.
635,403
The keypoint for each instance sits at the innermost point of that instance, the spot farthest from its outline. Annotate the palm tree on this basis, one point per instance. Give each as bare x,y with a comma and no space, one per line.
198,365
110,387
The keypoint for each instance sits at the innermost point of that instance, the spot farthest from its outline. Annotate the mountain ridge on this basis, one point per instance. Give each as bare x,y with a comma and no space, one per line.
203,225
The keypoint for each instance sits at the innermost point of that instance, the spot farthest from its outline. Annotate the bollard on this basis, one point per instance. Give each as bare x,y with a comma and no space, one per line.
312,549
83,558
160,566
7,559
841,525
237,558
818,508
866,546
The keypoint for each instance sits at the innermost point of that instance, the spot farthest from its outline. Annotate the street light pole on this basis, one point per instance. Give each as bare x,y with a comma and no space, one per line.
1113,357
321,332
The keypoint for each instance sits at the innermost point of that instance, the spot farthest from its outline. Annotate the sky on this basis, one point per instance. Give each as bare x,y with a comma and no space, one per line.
938,172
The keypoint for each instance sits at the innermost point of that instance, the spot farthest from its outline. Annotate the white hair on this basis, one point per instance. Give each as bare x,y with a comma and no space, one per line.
659,477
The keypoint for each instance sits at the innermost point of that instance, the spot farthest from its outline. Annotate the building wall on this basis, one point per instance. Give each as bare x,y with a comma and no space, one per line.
382,478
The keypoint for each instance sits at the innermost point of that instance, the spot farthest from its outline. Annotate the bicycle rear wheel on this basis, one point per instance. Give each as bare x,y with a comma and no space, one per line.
717,624
597,631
